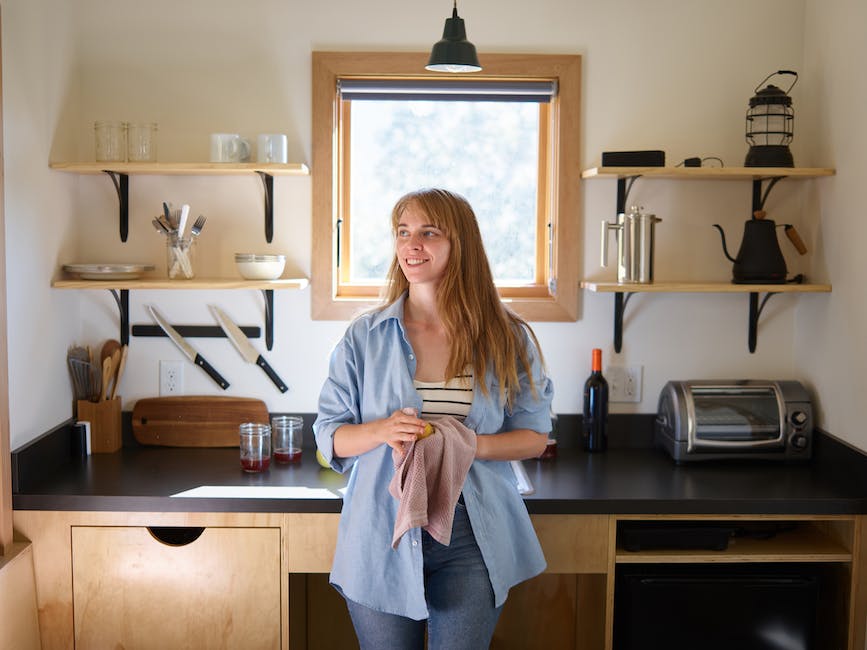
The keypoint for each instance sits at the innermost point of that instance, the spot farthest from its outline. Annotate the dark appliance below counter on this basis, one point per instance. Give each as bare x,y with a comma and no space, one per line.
734,419
716,607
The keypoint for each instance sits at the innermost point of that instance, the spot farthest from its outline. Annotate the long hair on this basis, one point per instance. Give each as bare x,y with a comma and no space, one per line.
482,331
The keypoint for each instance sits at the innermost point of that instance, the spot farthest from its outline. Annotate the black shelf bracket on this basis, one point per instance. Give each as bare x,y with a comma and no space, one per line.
755,312
121,184
122,300
268,184
620,301
760,197
624,185
268,294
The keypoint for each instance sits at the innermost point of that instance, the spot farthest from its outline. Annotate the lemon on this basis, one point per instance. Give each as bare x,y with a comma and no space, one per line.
321,460
428,431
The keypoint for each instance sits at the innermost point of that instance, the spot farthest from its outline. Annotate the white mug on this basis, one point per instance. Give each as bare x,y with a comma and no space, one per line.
272,148
229,147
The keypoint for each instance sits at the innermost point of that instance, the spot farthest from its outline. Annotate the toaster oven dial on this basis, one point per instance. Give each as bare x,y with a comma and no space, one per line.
799,419
799,441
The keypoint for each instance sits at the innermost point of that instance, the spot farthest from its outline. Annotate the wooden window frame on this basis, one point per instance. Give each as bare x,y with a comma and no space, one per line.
559,199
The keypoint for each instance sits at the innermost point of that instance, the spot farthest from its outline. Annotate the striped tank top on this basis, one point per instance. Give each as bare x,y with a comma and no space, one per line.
452,397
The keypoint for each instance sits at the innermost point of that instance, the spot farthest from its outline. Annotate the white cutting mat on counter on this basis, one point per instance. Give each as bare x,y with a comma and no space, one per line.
259,492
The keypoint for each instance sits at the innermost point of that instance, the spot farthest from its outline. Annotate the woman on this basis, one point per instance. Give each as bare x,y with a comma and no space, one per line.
442,328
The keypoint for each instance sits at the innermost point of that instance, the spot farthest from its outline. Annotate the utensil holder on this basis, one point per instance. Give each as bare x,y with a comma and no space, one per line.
180,257
105,424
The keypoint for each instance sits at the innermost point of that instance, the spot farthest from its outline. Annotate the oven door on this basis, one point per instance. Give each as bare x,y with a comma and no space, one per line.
735,417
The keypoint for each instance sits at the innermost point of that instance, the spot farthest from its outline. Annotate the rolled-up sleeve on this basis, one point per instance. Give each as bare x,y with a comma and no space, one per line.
531,408
339,402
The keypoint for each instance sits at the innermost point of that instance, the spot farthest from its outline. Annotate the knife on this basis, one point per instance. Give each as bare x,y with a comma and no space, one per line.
186,348
243,345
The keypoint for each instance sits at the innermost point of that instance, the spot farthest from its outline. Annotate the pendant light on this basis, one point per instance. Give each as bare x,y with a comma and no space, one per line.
454,53
770,119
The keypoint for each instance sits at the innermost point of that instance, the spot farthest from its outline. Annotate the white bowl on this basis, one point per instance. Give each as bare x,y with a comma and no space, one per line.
260,267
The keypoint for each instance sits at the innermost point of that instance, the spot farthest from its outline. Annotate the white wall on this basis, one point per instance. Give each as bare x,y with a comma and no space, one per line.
38,89
830,345
673,74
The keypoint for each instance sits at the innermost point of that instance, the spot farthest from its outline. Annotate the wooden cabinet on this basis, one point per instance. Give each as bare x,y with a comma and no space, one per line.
103,580
133,590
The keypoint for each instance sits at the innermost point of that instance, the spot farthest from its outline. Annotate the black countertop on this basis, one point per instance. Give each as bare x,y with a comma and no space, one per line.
629,479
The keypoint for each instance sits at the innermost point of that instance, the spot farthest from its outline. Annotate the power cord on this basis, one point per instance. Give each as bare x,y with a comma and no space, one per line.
695,161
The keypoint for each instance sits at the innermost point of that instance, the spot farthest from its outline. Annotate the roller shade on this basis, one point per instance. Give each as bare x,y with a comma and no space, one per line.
446,90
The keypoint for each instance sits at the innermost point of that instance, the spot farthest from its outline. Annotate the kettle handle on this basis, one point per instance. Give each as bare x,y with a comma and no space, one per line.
606,226
795,238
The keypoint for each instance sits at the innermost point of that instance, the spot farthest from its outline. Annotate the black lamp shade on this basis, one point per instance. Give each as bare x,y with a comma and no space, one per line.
454,53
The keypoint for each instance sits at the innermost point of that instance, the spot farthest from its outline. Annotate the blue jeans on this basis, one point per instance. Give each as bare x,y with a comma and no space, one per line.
459,598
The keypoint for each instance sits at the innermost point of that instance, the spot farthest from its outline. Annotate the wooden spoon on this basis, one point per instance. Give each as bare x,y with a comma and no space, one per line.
108,349
106,377
121,364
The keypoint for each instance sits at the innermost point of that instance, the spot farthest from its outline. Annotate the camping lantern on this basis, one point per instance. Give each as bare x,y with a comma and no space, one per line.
770,120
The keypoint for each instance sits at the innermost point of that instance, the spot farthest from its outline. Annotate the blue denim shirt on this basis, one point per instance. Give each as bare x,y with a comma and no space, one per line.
370,376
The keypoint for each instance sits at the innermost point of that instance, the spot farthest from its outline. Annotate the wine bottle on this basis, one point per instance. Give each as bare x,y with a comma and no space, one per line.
595,425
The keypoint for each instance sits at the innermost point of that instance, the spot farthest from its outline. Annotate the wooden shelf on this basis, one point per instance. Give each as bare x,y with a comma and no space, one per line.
759,176
753,290
181,168
703,287
801,545
119,172
194,284
707,173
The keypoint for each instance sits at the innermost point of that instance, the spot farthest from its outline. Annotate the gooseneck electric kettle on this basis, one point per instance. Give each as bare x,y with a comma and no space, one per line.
759,259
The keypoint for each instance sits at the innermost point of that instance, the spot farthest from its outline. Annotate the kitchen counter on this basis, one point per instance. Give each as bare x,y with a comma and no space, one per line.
90,519
623,480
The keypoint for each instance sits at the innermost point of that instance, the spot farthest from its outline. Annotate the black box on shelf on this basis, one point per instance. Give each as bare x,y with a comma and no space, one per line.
650,158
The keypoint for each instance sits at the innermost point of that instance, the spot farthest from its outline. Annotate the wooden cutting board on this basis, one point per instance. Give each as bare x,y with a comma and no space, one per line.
190,421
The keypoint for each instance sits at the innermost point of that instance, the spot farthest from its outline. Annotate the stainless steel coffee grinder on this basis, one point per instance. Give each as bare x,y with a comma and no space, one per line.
635,245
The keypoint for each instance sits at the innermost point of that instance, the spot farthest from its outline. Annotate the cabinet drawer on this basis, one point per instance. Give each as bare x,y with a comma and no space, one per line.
222,589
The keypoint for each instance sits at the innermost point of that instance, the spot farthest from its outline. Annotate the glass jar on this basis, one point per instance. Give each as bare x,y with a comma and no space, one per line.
286,432
180,257
255,446
141,142
110,138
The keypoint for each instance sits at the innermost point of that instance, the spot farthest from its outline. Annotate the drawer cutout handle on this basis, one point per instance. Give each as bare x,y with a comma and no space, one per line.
176,535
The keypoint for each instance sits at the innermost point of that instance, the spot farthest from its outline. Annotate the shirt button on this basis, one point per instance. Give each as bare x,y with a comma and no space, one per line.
411,357
415,542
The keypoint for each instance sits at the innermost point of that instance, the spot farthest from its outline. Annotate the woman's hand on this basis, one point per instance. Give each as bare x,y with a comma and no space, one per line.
400,427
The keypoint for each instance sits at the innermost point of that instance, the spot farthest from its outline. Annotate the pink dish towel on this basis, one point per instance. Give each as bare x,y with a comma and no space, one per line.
429,477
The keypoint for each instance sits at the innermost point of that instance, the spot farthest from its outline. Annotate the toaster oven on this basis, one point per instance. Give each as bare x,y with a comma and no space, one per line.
748,418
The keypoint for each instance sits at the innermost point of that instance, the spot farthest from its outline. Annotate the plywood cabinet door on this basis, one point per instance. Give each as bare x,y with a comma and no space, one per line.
133,591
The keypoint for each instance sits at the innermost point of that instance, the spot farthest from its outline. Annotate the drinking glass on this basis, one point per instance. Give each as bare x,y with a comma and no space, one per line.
255,446
287,433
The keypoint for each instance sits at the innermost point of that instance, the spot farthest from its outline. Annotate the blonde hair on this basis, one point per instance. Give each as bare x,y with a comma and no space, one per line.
482,331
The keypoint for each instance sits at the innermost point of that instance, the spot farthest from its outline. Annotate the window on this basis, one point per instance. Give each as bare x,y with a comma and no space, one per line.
382,127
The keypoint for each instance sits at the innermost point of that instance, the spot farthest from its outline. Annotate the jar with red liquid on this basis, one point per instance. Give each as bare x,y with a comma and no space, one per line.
255,446
550,452
286,431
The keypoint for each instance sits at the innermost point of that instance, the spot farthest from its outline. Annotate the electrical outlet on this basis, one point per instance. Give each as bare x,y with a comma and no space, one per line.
624,383
171,377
